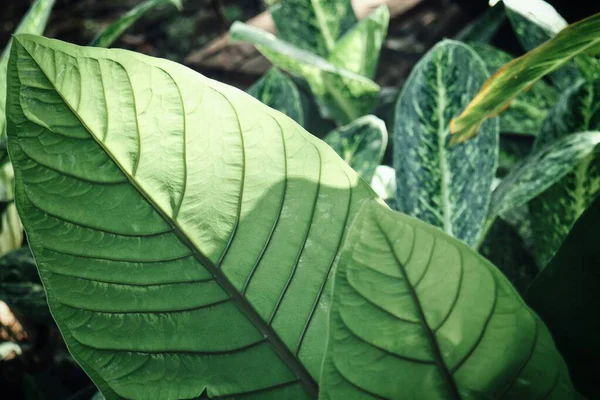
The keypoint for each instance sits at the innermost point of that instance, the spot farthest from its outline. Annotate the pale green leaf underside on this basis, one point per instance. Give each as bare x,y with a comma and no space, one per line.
345,94
446,186
418,314
554,211
313,25
175,258
358,50
361,144
112,32
542,169
528,110
279,92
33,22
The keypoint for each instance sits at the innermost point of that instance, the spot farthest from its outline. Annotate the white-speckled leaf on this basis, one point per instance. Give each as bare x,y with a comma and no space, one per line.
279,92
446,186
554,212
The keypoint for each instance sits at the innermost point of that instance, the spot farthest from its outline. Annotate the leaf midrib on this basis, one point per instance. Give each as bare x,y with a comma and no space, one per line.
293,363
445,183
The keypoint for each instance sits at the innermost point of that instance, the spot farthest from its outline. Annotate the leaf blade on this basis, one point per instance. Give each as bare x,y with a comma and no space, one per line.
279,92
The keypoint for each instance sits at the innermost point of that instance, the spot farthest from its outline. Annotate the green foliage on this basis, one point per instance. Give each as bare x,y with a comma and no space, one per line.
278,91
361,144
117,28
446,186
425,315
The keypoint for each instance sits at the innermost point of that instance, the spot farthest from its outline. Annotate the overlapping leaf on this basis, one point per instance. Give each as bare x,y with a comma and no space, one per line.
107,36
279,92
514,78
542,169
446,186
528,110
184,232
577,111
313,25
345,94
484,27
418,314
361,144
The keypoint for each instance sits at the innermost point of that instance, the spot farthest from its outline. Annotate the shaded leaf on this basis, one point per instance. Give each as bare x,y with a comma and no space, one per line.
554,211
497,93
589,67
313,25
542,169
419,313
358,50
527,111
278,91
513,149
112,32
484,27
446,186
347,95
361,144
205,264
33,22
566,296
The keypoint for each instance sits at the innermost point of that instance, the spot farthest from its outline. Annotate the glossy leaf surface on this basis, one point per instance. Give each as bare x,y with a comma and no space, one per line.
278,91
446,186
203,266
117,28
417,313
554,212
361,144
542,169
345,94
514,78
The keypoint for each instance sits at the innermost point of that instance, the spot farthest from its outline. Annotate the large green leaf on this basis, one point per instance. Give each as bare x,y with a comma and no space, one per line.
518,75
345,94
361,144
313,25
527,111
279,92
117,28
541,169
566,296
446,186
358,50
554,212
33,22
418,314
535,22
184,232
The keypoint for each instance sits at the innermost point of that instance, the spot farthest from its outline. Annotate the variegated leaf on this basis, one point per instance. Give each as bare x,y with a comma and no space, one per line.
554,212
313,25
528,109
361,144
517,76
358,50
483,28
279,92
345,94
542,169
446,186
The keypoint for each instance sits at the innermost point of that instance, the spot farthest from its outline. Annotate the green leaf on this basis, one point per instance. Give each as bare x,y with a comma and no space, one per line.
554,212
527,111
33,22
384,182
589,67
279,92
484,27
446,186
419,314
361,144
347,95
313,25
184,232
112,32
518,75
535,22
513,149
566,296
358,50
541,170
